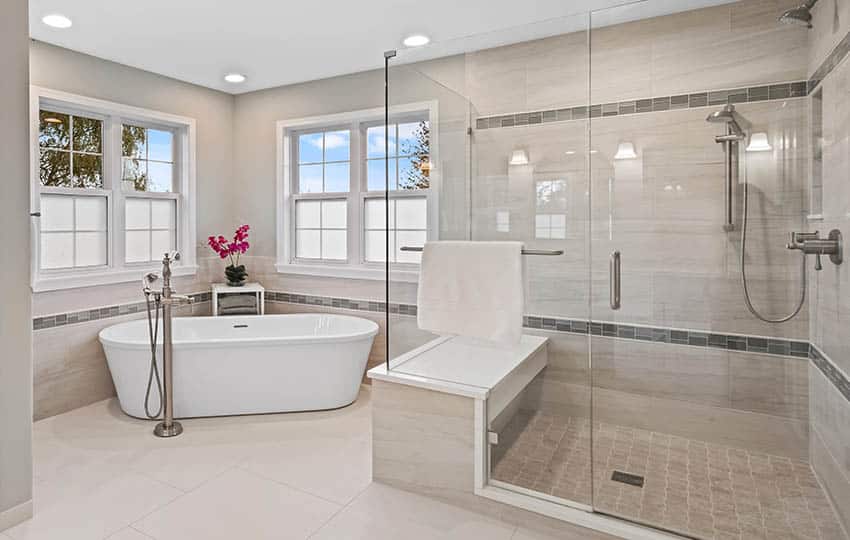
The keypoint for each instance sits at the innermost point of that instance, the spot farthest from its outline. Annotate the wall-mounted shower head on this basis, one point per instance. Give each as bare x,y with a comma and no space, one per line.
800,15
728,116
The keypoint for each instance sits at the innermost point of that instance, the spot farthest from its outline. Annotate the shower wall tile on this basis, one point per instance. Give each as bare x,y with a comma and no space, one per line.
730,46
830,440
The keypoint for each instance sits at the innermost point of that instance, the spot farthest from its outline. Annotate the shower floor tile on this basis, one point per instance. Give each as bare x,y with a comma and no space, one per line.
704,490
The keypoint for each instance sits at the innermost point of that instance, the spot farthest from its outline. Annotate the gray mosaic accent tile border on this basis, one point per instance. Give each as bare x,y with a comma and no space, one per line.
836,377
639,106
782,347
830,62
96,314
732,342
340,303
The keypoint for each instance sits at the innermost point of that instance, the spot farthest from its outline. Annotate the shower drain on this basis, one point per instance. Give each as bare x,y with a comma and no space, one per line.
627,478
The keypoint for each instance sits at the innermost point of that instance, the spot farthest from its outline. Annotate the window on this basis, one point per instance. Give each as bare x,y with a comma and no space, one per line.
70,150
550,222
332,178
113,189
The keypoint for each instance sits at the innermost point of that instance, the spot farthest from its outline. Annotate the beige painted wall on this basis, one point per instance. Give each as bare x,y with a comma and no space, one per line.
15,310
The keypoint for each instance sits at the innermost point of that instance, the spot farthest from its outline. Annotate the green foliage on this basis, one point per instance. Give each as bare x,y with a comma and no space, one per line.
419,150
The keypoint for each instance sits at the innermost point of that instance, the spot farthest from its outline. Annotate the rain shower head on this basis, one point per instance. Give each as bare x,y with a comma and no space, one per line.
800,15
728,116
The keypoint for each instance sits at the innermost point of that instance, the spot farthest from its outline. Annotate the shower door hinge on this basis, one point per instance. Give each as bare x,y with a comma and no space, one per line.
469,131
493,438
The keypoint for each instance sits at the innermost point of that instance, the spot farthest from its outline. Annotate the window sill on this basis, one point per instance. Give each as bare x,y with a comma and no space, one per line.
74,281
346,272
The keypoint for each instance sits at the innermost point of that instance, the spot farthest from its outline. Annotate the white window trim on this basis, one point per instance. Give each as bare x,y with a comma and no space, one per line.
116,271
354,269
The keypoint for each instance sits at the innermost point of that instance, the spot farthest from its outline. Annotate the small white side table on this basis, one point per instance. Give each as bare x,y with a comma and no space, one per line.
223,288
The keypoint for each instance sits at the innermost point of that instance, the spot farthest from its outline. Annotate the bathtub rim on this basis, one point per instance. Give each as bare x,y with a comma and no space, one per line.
257,341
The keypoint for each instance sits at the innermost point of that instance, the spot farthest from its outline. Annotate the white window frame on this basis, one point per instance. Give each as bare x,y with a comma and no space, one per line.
355,267
114,115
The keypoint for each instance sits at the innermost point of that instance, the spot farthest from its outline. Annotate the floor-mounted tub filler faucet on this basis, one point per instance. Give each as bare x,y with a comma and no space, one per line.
163,299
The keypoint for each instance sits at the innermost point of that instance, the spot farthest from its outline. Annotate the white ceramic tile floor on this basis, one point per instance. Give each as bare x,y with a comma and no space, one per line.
102,475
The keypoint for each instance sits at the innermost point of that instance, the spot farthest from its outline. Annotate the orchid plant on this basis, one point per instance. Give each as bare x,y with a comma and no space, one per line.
232,249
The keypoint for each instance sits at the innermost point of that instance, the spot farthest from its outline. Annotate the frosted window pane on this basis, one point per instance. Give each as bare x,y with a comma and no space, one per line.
161,243
541,220
409,239
163,214
137,214
91,249
160,145
334,245
91,214
337,144
57,250
138,246
160,177
412,214
57,213
334,214
337,179
307,214
307,244
310,148
375,246
376,175
375,217
310,179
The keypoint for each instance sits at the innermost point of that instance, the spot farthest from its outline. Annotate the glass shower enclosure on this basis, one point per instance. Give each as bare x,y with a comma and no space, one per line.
665,401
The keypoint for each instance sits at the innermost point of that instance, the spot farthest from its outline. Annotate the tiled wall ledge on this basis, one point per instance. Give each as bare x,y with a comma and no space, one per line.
712,98
95,314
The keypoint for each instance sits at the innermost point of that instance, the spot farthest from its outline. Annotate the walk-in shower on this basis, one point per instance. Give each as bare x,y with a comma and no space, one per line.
682,405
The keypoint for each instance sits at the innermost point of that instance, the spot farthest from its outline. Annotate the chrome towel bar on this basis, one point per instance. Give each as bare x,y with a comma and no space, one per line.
547,252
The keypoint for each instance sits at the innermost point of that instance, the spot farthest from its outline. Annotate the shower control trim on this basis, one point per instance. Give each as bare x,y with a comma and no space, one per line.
813,244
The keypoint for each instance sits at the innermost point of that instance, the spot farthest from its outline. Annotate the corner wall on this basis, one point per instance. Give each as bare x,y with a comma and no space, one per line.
829,438
15,310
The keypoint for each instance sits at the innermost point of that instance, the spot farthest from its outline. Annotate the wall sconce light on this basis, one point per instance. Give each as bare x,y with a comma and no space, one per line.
759,143
625,150
519,157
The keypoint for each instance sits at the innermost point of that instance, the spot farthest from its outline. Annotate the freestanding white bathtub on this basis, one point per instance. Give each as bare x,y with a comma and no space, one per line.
245,365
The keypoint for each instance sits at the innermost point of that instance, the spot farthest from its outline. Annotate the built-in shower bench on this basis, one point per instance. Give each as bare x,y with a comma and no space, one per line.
431,410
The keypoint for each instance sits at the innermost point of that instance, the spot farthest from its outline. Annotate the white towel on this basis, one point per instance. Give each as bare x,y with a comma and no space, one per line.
472,289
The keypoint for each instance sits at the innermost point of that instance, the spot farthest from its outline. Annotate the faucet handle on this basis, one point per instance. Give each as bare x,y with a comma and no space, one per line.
799,238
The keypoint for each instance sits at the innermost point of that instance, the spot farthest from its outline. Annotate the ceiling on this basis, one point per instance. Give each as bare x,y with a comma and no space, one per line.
279,42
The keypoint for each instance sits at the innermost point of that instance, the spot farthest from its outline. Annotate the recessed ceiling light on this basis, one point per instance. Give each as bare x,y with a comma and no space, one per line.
52,120
416,40
57,21
234,78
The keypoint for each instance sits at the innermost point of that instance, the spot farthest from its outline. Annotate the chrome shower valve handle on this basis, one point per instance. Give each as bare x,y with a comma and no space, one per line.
813,244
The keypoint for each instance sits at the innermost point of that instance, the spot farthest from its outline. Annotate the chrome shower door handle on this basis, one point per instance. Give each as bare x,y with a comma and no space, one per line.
615,280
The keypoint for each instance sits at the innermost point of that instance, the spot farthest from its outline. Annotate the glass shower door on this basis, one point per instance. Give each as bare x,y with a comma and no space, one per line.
696,428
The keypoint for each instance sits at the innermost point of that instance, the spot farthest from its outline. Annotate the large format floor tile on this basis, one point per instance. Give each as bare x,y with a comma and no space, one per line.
385,513
107,508
129,534
334,469
240,504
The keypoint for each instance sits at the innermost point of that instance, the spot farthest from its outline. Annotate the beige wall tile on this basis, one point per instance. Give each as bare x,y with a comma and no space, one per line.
422,439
